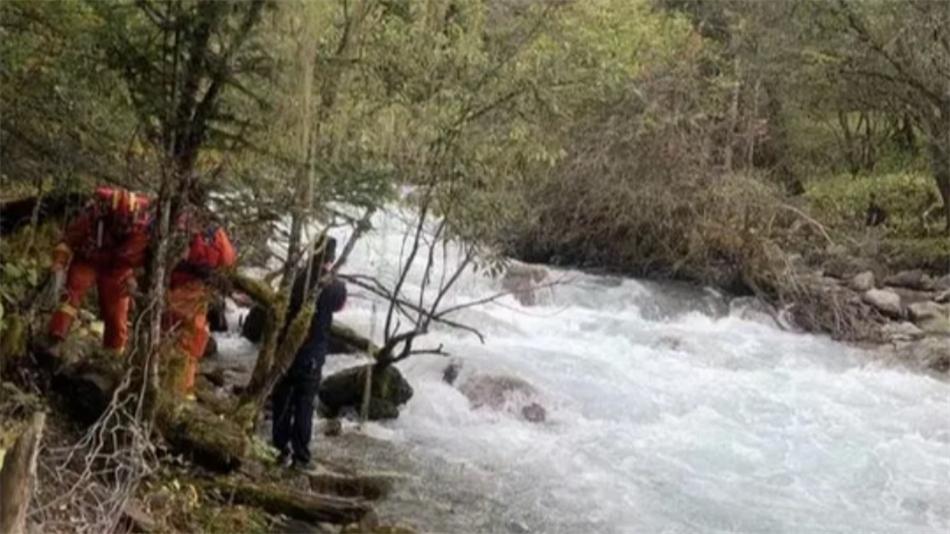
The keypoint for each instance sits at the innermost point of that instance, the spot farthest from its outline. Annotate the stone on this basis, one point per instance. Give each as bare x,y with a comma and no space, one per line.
505,394
943,297
863,281
931,317
942,283
521,279
930,353
885,301
913,279
451,372
902,331
344,391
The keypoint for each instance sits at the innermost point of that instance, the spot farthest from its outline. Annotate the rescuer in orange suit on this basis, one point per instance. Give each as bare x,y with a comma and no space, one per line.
209,250
103,245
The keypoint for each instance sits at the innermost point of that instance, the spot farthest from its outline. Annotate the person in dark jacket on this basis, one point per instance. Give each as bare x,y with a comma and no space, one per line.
294,395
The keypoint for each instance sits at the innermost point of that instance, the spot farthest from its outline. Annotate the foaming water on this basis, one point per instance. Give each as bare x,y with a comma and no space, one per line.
664,414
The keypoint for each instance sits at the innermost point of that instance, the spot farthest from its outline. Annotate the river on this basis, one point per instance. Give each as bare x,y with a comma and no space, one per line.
666,413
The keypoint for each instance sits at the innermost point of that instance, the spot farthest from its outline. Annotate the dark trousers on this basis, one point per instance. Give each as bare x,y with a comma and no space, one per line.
293,414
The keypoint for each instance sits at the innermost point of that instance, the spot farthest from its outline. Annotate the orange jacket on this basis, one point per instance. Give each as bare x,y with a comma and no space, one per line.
208,251
111,232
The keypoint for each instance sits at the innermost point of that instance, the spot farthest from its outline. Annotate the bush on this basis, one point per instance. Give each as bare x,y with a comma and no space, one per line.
842,201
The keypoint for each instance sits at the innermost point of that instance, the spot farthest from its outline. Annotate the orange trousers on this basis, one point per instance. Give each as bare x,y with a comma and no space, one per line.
186,314
114,302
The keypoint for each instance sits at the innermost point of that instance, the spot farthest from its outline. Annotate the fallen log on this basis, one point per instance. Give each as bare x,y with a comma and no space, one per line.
372,487
278,499
17,476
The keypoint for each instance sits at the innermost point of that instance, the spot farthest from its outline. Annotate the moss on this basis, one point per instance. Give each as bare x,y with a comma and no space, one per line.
228,519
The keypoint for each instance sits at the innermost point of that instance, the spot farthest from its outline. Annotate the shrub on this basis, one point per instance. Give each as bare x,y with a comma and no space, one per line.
842,201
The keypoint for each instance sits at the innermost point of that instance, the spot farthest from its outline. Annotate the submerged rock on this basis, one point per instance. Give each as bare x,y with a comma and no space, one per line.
504,393
521,279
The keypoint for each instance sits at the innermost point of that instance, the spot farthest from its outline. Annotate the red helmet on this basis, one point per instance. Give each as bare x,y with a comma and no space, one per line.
124,207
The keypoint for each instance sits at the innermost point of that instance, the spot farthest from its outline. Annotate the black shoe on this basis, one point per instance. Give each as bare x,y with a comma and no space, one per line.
300,466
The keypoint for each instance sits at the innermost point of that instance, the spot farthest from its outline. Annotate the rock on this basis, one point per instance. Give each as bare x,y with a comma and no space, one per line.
902,331
521,280
344,390
451,372
332,427
252,327
926,310
932,352
913,279
211,349
217,318
885,301
863,281
943,297
942,283
504,393
931,317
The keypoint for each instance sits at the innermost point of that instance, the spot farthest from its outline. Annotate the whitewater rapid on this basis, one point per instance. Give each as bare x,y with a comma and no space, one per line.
665,413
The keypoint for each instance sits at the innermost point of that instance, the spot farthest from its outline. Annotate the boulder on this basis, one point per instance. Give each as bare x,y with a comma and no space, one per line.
943,297
932,353
913,279
217,316
211,349
504,393
344,390
521,279
931,317
862,281
902,331
885,301
942,283
252,326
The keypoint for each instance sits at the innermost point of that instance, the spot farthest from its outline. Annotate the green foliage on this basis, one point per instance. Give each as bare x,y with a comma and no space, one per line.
842,200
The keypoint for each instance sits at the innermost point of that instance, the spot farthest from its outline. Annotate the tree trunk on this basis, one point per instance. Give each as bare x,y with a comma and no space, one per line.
16,477
279,499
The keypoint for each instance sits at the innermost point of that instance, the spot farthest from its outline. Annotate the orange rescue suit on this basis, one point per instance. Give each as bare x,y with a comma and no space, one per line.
103,245
188,295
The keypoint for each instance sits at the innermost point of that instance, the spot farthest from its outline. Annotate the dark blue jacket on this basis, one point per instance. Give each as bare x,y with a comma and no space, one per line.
309,359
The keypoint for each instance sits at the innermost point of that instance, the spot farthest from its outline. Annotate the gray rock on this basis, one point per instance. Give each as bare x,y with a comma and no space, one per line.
902,331
913,279
521,279
863,281
943,297
932,352
504,393
919,311
885,301
942,283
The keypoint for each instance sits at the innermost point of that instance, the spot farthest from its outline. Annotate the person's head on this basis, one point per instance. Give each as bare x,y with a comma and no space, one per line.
123,210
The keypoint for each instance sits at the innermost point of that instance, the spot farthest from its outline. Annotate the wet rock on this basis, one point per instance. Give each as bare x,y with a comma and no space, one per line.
931,317
504,393
885,301
211,349
217,318
332,427
913,279
252,327
753,309
932,353
344,390
902,331
451,372
863,281
521,279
